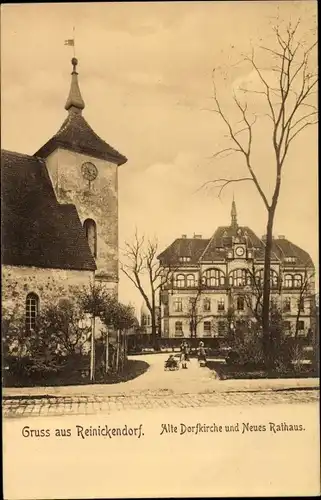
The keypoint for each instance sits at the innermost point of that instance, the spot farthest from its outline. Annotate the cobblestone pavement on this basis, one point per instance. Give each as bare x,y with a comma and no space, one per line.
83,405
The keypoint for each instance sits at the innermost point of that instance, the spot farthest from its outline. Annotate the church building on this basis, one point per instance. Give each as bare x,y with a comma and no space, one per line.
59,214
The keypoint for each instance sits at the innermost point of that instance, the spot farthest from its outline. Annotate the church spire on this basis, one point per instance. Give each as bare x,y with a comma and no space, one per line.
75,103
233,215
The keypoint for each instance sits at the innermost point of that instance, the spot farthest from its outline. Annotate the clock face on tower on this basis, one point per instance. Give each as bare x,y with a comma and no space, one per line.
239,251
89,171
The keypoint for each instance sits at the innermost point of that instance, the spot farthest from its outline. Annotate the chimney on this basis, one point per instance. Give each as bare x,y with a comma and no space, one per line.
198,236
184,236
281,237
263,237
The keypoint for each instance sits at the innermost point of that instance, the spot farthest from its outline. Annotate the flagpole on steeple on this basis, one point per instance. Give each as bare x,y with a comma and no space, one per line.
74,38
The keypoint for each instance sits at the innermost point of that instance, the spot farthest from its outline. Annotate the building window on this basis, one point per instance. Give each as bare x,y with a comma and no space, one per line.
300,326
240,303
290,259
32,310
207,328
239,277
214,278
297,281
287,304
206,305
178,328
190,280
91,235
273,303
274,278
301,304
192,303
178,305
185,259
180,281
288,281
221,328
287,326
221,304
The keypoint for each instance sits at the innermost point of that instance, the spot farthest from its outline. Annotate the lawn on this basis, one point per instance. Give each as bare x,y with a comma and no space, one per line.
132,369
236,371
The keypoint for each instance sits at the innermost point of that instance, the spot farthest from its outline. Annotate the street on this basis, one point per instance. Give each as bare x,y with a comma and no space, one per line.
155,389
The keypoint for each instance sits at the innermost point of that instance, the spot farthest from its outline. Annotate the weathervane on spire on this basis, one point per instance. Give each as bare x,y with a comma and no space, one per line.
75,102
71,42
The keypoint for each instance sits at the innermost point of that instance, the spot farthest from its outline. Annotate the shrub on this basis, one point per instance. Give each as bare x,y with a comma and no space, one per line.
247,349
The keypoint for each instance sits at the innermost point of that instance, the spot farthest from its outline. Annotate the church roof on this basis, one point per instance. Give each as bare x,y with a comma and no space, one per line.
75,134
36,230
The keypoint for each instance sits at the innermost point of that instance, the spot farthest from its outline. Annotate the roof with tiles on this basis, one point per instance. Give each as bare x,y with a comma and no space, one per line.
36,230
75,134
214,249
284,248
184,247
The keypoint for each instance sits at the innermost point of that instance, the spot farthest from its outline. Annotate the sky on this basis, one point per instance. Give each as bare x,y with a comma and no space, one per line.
146,76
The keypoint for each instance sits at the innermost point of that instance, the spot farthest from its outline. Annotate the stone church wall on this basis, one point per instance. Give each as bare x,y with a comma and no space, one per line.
50,285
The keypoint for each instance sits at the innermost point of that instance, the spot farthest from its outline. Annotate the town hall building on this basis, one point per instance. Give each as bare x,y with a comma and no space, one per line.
217,283
59,214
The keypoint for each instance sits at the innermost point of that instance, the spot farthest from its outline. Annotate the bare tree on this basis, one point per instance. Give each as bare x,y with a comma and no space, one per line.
304,294
290,110
194,313
146,273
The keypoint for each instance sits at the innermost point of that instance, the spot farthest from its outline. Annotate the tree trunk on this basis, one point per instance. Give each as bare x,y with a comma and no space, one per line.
92,351
154,330
154,322
124,348
267,344
107,351
117,351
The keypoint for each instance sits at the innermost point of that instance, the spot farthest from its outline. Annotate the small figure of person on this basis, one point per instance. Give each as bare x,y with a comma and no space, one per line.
171,362
184,355
201,353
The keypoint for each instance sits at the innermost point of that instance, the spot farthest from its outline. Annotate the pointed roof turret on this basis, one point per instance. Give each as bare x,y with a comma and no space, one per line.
75,134
233,214
75,103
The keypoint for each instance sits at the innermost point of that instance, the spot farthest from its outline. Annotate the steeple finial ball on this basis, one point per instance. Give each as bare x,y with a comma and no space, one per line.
74,62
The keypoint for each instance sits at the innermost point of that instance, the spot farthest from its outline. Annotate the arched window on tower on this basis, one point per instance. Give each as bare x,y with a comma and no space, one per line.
214,278
32,310
91,235
240,277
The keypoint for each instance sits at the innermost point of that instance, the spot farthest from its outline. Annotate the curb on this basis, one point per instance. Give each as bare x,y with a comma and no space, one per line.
122,395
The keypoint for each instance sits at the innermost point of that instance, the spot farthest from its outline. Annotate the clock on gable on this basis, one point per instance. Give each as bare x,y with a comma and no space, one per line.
239,251
89,171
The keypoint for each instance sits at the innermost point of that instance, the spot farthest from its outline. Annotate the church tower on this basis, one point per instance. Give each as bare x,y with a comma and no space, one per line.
84,171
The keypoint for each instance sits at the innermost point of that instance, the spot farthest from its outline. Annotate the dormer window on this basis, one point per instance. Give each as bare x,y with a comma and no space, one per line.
184,259
290,260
